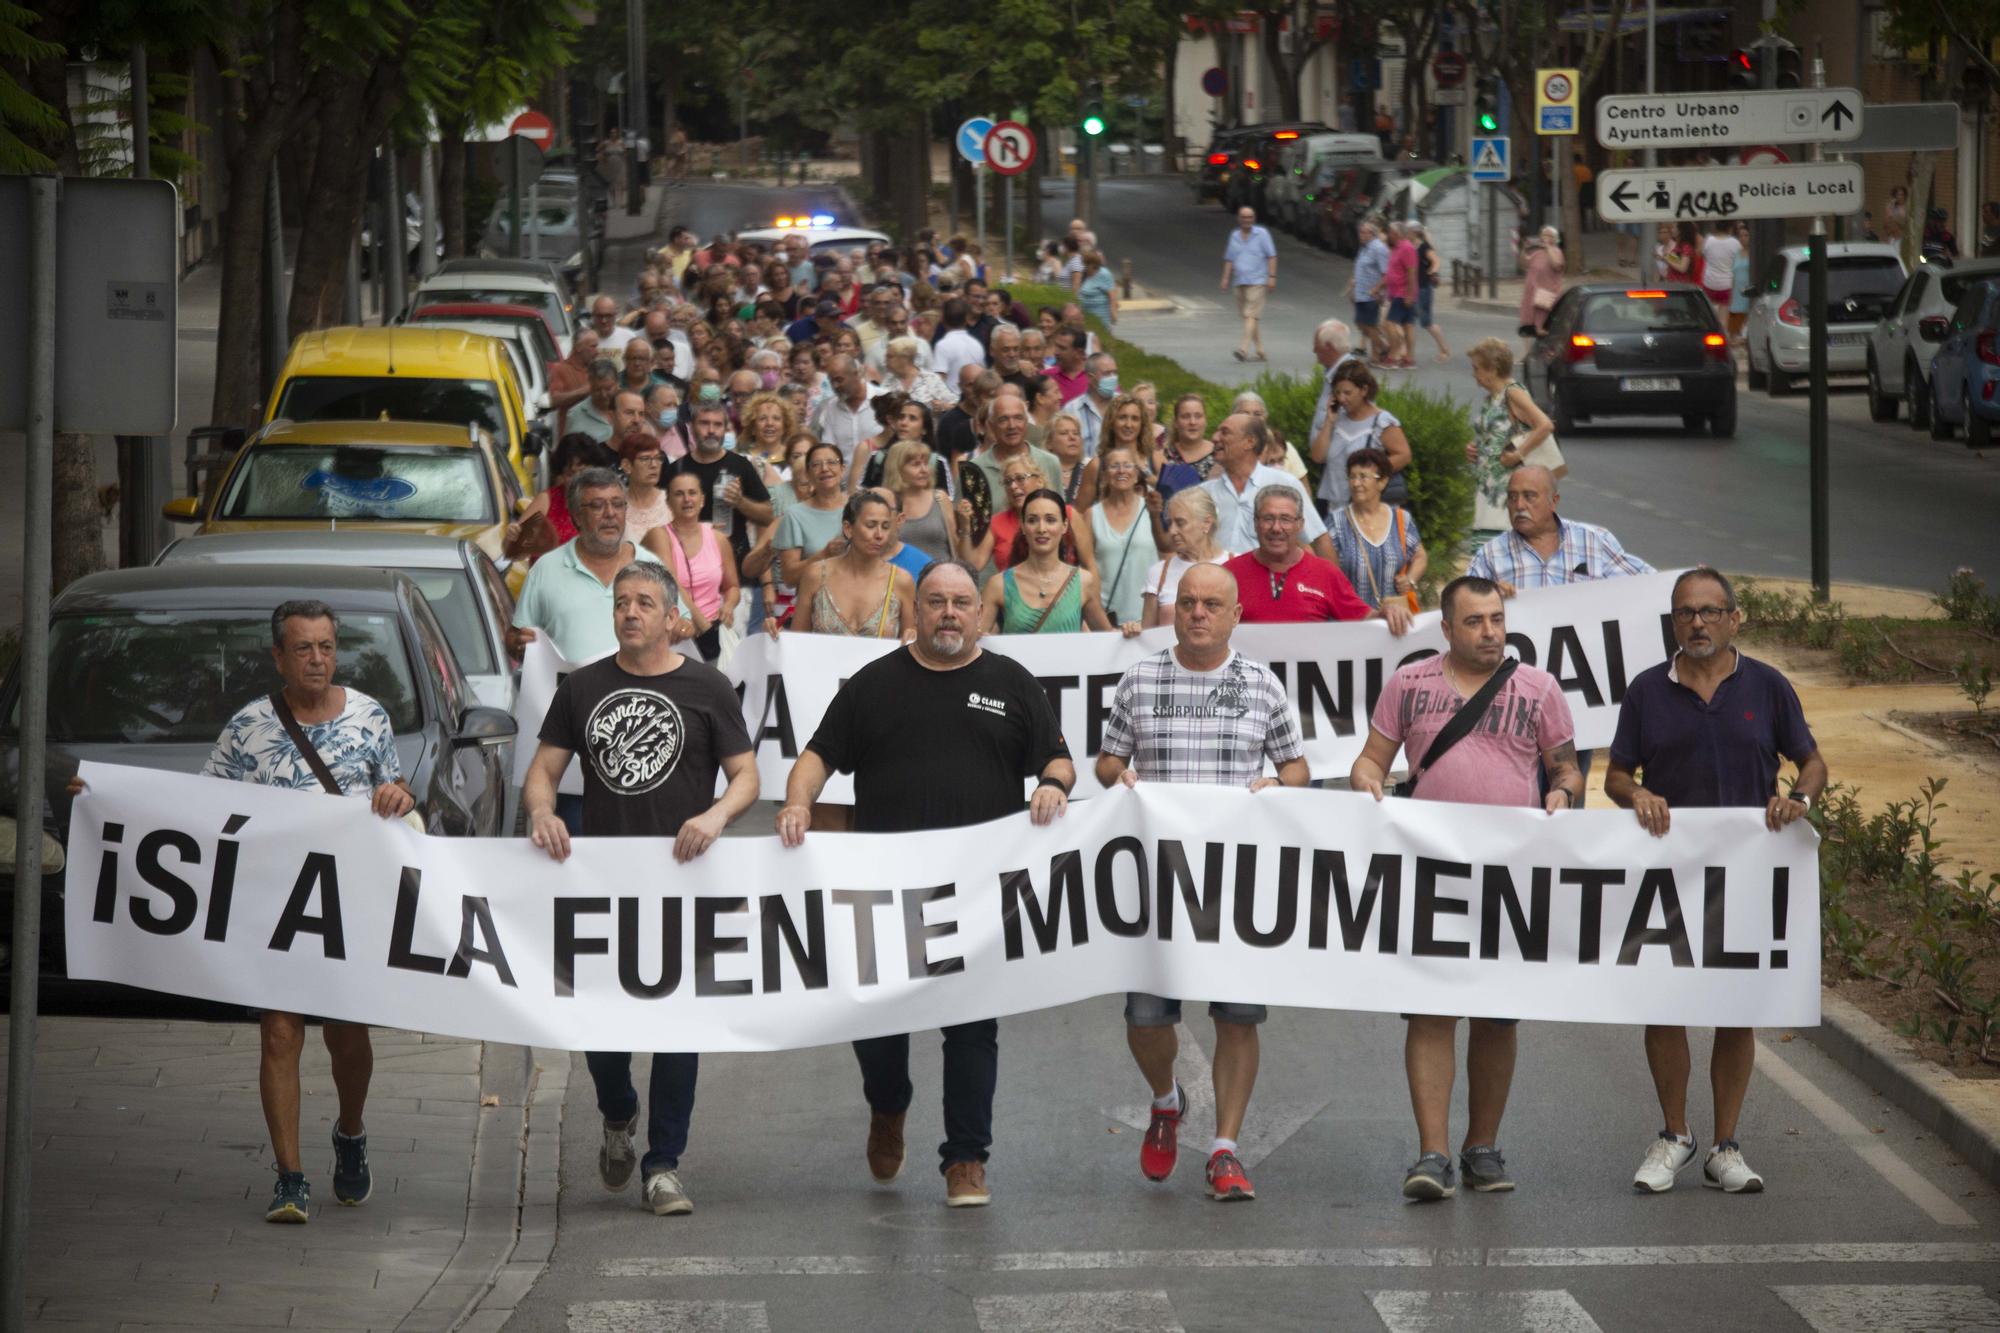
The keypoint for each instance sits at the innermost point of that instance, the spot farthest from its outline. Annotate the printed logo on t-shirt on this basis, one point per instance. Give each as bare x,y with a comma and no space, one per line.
1229,699
635,739
986,704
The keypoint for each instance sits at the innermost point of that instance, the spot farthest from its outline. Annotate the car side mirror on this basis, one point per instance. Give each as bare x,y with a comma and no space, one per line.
542,403
1932,328
185,509
479,725
536,440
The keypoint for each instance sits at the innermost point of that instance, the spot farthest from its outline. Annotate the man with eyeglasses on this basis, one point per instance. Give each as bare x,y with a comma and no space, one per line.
972,726
1704,730
611,335
1279,582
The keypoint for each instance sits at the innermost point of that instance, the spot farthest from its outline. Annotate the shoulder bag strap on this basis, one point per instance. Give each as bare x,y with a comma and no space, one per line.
304,744
1041,619
1466,718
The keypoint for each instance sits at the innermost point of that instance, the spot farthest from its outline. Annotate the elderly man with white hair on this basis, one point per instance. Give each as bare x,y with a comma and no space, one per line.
1279,452
1333,347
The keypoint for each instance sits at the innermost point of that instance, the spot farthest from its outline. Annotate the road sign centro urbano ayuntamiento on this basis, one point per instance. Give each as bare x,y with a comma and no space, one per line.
1682,120
1709,194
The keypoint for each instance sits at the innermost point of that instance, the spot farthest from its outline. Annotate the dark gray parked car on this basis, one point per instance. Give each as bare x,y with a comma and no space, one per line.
150,664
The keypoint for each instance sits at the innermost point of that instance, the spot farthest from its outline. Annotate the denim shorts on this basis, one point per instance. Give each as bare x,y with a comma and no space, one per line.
1426,297
1401,311
1367,313
1155,1011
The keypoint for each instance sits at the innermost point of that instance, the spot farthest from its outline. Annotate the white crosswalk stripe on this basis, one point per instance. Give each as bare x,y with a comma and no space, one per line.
1078,1312
1906,1309
1481,1312
669,1317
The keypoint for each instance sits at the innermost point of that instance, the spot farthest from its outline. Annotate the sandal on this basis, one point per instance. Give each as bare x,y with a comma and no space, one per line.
1238,354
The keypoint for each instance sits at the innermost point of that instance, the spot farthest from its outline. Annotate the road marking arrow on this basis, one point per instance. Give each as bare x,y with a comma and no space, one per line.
1622,195
1835,112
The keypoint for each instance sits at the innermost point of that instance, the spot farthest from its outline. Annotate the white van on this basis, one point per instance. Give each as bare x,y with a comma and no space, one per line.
1287,194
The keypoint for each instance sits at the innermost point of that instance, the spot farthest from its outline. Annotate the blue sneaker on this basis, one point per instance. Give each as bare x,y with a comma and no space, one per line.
352,1181
1431,1178
292,1200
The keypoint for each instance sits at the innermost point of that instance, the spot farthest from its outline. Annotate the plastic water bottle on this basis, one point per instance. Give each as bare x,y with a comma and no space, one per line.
722,513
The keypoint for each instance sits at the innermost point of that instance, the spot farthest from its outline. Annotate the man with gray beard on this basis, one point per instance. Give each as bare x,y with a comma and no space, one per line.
969,728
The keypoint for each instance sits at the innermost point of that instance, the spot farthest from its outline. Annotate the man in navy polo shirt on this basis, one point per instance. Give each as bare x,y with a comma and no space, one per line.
1706,729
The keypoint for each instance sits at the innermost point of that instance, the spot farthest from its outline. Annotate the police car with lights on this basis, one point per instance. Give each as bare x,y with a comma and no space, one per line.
820,230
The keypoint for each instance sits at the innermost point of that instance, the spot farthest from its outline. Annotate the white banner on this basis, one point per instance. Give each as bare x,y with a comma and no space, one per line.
289,900
1592,637
542,668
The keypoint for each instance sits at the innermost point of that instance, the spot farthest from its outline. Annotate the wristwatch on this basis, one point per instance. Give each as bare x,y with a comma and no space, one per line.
1796,795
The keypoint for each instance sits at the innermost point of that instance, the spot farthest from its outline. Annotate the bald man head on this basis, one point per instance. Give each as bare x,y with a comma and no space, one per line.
1206,611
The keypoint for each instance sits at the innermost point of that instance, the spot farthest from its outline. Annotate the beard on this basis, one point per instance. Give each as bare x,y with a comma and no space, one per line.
944,643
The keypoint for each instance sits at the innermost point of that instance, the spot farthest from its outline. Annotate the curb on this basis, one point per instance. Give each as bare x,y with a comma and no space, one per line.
1481,305
510,1212
1937,1099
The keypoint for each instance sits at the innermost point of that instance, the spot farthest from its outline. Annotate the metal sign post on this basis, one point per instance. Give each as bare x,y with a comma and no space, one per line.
39,372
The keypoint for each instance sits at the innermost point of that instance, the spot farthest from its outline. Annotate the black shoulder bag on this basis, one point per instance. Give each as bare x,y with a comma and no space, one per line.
1460,726
318,765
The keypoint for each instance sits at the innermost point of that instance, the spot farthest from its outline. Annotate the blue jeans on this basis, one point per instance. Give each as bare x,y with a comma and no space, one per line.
669,1101
971,1070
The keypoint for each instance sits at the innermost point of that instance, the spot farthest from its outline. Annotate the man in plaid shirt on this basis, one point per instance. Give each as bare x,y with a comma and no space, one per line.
1543,550
1200,712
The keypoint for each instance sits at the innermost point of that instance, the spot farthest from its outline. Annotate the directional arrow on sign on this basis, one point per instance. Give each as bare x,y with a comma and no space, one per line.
1835,112
1623,196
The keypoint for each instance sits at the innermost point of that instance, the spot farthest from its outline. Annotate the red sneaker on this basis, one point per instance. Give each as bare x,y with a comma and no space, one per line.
1226,1181
1161,1148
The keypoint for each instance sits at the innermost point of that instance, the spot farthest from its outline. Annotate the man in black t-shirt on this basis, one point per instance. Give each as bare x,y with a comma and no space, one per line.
937,734
746,499
652,728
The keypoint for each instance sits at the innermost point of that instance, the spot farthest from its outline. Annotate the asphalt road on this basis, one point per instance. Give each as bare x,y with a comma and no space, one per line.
1906,510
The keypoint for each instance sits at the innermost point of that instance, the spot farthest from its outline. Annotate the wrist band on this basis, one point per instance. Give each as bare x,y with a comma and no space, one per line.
1052,782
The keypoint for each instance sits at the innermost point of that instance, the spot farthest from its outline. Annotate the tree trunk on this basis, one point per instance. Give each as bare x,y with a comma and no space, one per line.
1170,138
240,317
353,116
1287,70
912,179
76,526
451,189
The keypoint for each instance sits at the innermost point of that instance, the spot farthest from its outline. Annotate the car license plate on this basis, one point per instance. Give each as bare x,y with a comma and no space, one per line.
1654,384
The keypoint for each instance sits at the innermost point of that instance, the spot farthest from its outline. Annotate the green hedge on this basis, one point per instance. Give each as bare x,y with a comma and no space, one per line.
1440,481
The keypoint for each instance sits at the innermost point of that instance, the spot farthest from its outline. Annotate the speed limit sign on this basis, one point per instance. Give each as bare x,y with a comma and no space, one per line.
1555,101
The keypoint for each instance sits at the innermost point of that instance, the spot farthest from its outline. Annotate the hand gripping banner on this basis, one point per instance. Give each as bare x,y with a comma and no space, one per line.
305,903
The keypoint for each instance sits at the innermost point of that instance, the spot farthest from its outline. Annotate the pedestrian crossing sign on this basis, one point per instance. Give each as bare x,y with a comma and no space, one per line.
1491,160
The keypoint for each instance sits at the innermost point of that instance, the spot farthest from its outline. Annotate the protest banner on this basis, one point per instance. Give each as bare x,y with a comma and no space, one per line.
299,902
1592,637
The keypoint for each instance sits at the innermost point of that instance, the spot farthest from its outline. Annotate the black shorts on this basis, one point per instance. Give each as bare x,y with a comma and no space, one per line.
1503,1022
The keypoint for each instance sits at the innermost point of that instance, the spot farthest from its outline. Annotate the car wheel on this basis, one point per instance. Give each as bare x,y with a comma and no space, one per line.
1940,428
1978,433
1559,411
1881,407
1722,424
1757,378
1692,422
1918,395
1776,382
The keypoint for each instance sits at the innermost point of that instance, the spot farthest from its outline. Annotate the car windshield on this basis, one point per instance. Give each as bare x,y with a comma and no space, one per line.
159,677
539,298
456,605
359,482
1869,281
394,398
1953,286
1684,311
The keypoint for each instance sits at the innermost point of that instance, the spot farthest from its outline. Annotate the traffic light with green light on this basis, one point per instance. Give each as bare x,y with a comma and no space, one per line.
1093,122
1486,104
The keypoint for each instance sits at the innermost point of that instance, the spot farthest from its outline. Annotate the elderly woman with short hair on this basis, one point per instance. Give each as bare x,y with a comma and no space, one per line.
1506,427
902,374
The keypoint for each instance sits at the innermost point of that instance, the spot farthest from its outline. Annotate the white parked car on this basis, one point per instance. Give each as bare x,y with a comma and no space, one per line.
1862,279
1902,344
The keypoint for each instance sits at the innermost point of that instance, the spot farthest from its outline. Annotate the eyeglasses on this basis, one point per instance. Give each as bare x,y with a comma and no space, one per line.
603,506
1710,615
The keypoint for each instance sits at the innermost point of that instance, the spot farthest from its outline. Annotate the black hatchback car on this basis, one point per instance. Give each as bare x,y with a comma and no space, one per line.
1255,157
1612,350
150,664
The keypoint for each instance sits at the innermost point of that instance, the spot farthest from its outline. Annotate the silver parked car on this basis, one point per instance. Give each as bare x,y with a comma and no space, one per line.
465,590
1904,340
1862,279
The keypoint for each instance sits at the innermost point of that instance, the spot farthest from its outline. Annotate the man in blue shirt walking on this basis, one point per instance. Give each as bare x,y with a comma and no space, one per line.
1706,729
1250,265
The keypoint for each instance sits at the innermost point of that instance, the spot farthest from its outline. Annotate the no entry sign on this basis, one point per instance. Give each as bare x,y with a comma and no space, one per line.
535,127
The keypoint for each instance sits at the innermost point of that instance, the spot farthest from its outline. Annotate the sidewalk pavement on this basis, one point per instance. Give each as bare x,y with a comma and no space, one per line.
152,1167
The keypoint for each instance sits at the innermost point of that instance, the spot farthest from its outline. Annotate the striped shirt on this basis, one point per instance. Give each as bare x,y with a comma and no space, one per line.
1178,725
1586,552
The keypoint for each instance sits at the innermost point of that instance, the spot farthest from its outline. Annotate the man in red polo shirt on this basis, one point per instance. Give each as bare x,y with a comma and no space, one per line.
1282,583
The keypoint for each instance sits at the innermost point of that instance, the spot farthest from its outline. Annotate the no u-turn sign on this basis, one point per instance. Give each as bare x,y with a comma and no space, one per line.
1010,148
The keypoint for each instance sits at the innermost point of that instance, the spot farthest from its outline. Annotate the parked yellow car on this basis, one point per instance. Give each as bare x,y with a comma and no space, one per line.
401,373
400,476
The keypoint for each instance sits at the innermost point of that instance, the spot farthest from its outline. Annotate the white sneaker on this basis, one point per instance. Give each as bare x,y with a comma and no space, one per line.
617,1157
1724,1169
1666,1157
665,1196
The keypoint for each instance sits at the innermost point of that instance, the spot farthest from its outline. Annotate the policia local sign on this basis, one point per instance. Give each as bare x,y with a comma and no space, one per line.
302,902
1702,194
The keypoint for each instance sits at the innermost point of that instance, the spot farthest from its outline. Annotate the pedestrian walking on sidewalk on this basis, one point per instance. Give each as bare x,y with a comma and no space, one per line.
1250,267
1476,727
1429,269
313,735
1542,266
652,727
971,726
1679,724
1200,712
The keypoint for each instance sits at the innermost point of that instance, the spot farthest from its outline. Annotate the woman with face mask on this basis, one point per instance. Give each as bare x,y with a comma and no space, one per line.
858,592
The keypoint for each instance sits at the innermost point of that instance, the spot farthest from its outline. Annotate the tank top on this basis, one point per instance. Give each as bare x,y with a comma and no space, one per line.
1122,561
639,522
929,534
701,578
886,623
1065,617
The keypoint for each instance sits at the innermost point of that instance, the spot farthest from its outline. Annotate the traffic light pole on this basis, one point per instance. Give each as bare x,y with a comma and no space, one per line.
1819,478
1649,262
